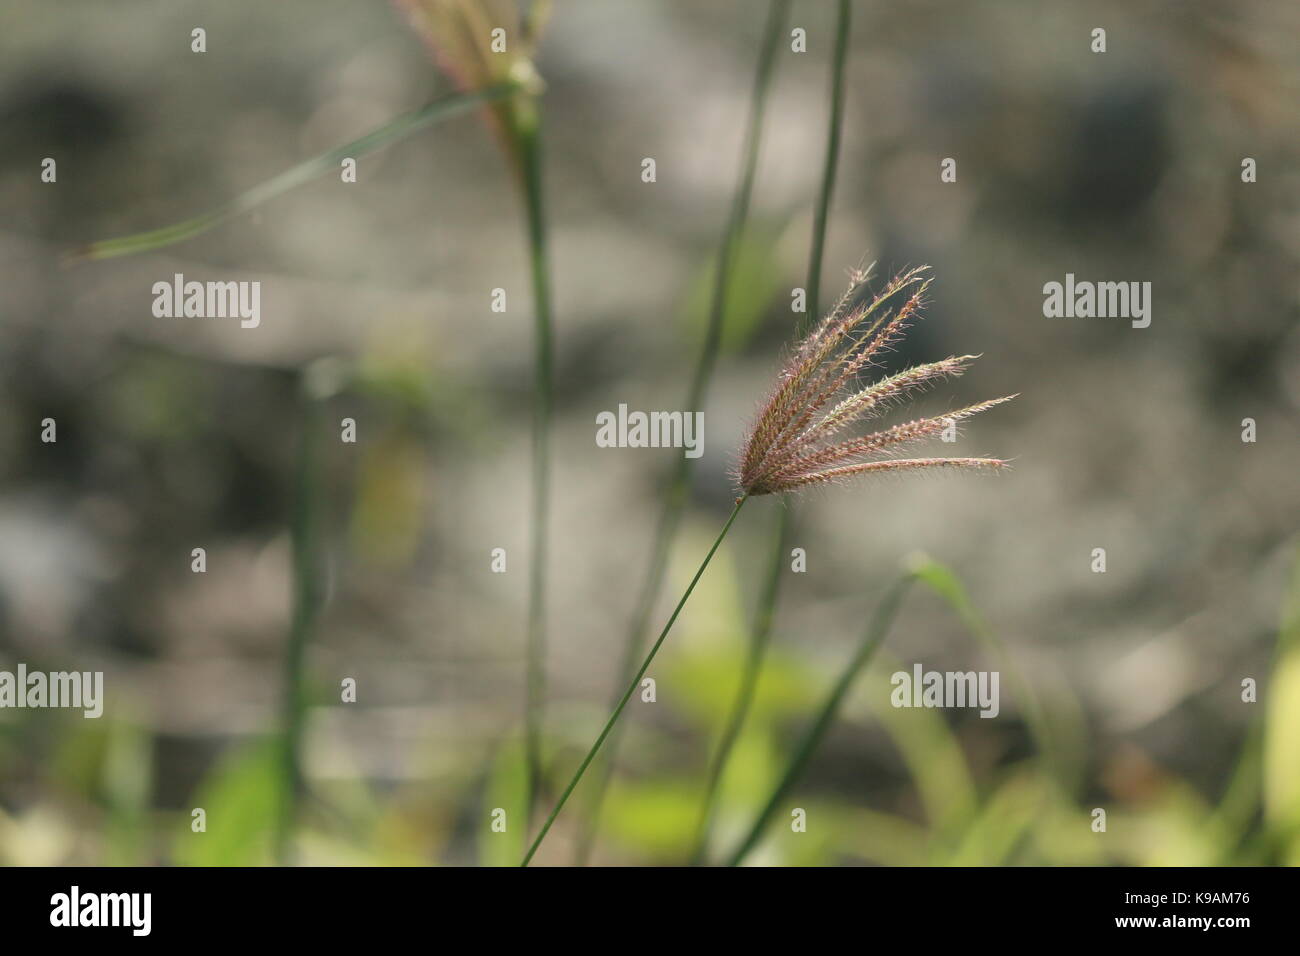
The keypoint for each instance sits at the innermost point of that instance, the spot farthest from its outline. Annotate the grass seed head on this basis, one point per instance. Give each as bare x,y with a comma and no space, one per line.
818,394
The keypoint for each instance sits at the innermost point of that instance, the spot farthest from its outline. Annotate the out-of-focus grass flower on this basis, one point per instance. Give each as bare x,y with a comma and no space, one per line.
461,35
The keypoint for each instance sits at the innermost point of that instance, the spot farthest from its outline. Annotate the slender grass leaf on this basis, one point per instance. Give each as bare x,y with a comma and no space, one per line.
506,793
395,129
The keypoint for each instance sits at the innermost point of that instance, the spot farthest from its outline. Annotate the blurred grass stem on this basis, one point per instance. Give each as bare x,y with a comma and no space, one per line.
766,610
679,482
525,130
740,708
304,533
875,635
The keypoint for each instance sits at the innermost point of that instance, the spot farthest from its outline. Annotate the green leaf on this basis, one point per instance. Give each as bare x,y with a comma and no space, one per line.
654,817
882,838
1003,822
507,790
241,800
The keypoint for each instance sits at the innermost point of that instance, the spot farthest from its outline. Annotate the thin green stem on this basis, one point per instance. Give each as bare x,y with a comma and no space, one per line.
875,635
676,494
767,603
831,160
395,129
306,603
748,685
665,532
633,684
526,129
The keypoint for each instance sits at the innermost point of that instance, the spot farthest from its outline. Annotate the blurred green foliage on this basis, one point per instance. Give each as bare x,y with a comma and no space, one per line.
944,811
241,801
754,283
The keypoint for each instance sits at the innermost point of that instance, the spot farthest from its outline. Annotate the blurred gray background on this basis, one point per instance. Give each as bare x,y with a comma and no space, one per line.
175,434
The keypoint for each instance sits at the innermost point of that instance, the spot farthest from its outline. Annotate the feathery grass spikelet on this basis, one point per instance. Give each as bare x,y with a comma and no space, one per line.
790,444
459,34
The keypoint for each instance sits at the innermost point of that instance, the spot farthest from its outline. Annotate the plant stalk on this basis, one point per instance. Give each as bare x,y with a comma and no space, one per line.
304,533
740,708
632,685
831,161
767,603
676,494
526,134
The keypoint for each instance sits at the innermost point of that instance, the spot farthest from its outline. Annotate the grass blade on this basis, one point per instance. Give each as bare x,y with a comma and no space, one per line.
767,603
304,532
526,133
395,129
875,635
676,494
831,161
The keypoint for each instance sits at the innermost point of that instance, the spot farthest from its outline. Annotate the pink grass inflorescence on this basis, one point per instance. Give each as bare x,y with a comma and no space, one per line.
819,394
